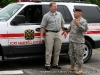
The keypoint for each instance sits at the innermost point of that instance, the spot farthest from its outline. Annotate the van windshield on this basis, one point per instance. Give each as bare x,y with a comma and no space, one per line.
7,12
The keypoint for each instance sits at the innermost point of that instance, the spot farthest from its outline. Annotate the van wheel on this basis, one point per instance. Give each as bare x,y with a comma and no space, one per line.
87,51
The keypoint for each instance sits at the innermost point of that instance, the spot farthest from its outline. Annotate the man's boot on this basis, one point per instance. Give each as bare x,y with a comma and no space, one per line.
72,68
79,72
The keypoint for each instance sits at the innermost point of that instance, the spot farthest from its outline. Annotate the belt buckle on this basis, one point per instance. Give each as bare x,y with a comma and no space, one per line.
51,31
55,31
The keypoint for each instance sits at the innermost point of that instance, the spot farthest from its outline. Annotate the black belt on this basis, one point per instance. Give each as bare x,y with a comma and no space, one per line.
51,31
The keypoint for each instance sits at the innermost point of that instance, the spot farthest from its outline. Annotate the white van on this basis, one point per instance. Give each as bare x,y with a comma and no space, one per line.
18,18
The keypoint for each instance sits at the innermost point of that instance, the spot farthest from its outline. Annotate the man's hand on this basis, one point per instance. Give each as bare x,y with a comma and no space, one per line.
76,22
41,35
42,39
65,29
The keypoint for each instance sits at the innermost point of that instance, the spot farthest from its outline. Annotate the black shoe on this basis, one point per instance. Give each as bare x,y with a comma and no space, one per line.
47,68
57,67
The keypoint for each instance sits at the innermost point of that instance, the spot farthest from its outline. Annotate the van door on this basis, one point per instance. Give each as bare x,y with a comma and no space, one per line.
20,41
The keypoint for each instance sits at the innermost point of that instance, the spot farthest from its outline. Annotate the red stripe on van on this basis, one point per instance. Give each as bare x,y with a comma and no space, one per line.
93,32
38,34
15,35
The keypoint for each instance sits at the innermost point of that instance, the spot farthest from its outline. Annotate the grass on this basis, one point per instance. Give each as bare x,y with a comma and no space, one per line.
98,48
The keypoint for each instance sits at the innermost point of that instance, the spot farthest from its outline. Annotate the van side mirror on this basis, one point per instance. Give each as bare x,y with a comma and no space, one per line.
18,19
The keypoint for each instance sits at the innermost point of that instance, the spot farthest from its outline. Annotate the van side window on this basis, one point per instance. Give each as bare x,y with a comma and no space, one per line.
91,14
64,11
33,14
67,14
60,8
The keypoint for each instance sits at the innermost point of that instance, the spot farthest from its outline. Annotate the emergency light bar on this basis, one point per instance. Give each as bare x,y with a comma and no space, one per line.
50,0
75,1
81,2
56,0
36,0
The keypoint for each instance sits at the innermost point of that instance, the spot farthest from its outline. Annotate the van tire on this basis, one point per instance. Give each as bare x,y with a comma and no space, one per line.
87,51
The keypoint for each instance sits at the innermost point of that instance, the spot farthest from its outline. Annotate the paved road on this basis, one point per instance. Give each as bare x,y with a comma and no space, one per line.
36,66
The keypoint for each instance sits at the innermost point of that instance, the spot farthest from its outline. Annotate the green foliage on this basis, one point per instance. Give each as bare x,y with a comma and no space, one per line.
6,2
91,1
98,48
94,2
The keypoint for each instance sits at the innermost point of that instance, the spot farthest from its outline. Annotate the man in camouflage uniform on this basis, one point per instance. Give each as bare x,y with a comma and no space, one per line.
76,40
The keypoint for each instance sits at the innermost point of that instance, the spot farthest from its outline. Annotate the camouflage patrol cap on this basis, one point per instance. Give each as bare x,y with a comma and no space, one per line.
78,10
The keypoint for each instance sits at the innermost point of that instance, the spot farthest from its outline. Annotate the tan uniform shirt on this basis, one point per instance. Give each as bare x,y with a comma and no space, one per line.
52,21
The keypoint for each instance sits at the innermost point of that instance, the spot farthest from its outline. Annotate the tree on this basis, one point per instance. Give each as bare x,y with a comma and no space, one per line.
6,2
91,1
94,2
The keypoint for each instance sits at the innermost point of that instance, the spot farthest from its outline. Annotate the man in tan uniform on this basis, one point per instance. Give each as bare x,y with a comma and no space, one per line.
52,23
76,40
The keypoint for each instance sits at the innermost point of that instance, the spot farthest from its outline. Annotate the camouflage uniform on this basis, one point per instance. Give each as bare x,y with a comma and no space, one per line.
76,41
